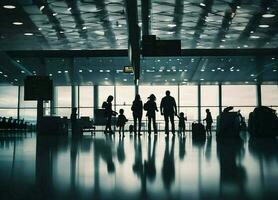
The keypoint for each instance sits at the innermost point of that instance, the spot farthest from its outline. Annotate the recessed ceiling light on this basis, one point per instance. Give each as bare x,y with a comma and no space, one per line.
251,32
171,25
275,70
28,34
90,70
101,70
41,8
180,70
69,9
22,72
34,72
202,4
39,29
173,79
246,82
59,72
268,15
213,70
272,58
108,70
55,14
263,25
222,70
254,36
245,45
15,79
237,70
80,70
170,32
5,75
168,70
124,79
160,70
84,28
202,70
202,79
50,74
66,71
17,23
252,75
1,72
185,70
106,78
9,6
238,7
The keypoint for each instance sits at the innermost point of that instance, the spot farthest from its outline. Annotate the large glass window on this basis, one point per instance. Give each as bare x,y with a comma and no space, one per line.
103,93
189,102
64,101
270,95
28,109
8,101
241,97
209,100
86,101
124,98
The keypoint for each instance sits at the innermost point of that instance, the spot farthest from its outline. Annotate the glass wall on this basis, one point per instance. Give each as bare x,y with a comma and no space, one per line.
8,101
86,101
64,101
270,96
241,97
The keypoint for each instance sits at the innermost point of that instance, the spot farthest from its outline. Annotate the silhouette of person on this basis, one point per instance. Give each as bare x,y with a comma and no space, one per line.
168,168
121,122
182,120
151,108
108,113
137,112
73,118
209,121
168,108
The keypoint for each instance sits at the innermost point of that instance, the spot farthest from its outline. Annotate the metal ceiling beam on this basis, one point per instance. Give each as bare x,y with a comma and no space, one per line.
145,15
124,53
178,16
53,20
226,21
254,20
199,28
107,26
79,22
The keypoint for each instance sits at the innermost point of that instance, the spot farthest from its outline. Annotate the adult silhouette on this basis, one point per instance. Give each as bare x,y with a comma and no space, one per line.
168,108
107,105
151,108
137,112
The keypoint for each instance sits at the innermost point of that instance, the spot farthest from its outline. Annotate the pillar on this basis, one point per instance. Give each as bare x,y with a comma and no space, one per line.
259,94
199,103
220,97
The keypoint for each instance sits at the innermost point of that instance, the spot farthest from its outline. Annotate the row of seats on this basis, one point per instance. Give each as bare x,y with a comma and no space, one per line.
12,124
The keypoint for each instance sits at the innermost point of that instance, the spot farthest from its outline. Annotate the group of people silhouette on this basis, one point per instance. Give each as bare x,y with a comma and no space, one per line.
168,108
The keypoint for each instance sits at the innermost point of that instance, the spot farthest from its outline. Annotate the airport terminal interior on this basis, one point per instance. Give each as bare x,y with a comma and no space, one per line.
70,75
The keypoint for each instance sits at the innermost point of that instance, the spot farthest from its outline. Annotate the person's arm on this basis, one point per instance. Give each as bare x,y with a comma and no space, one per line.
155,106
175,107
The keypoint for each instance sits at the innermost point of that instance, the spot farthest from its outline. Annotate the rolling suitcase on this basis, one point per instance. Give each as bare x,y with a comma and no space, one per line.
198,130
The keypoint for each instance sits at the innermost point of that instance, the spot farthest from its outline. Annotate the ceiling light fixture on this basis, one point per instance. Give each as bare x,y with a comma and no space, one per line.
80,71
9,6
254,36
69,9
55,14
28,34
268,15
263,25
202,4
171,25
17,23
41,8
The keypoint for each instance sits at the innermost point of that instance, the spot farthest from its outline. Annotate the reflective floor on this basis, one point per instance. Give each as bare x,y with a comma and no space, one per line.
156,167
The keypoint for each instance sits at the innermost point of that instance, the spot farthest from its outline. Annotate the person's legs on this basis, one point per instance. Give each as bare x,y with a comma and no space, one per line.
134,124
149,125
154,125
139,125
209,129
123,129
172,123
166,119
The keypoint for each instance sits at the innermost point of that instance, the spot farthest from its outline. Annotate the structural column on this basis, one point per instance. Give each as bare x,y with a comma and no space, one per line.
178,98
220,97
40,110
259,94
96,87
18,103
199,103
53,102
73,83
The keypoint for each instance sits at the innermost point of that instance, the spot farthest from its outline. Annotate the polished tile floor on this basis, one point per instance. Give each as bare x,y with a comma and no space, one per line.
156,167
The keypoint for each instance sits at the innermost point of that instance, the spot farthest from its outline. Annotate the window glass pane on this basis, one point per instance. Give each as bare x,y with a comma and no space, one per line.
64,101
209,95
239,95
270,95
8,96
9,112
86,101
26,104
188,95
29,115
124,98
103,93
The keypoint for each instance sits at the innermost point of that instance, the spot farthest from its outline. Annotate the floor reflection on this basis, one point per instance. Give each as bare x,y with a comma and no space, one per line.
146,167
